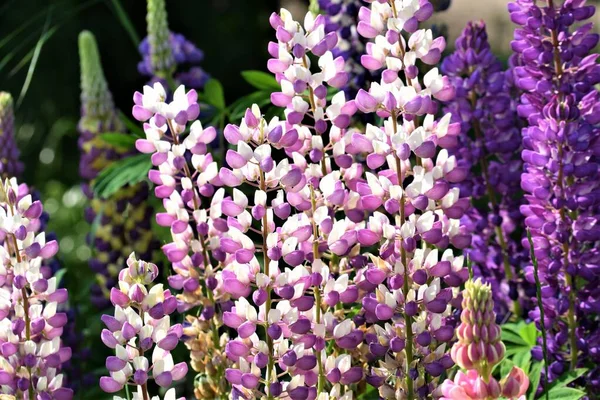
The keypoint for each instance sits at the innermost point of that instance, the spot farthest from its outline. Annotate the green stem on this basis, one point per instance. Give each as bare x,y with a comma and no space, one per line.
538,289
569,280
265,233
316,256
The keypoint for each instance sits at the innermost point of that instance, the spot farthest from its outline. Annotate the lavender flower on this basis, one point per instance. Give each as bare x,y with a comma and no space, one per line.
185,174
489,146
555,70
141,323
10,165
124,219
342,17
167,55
31,327
415,187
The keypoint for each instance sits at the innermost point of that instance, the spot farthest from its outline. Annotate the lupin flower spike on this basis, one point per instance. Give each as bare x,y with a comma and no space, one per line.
31,325
141,325
489,145
10,165
161,54
478,350
555,67
479,346
185,176
124,223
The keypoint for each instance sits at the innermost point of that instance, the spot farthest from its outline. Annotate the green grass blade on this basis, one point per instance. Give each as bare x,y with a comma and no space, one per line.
126,22
34,59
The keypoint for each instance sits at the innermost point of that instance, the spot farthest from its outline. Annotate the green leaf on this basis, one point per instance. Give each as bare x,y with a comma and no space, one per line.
370,394
534,378
511,337
214,95
118,139
238,109
506,366
261,80
512,350
567,378
132,126
529,333
566,393
522,360
59,275
129,171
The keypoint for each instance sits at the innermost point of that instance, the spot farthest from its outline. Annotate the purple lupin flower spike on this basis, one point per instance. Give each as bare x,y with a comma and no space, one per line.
414,281
141,325
185,176
31,352
555,68
490,143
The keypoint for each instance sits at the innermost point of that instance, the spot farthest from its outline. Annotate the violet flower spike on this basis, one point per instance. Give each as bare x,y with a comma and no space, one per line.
555,68
31,324
141,324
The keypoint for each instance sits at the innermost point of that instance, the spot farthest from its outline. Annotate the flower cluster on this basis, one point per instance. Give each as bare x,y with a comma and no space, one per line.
555,69
31,324
185,176
10,165
141,322
478,349
342,17
489,142
123,220
165,53
324,234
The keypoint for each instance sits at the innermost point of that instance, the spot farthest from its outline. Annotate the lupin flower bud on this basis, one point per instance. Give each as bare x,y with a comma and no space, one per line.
10,165
32,352
124,223
161,54
141,324
165,54
479,346
478,350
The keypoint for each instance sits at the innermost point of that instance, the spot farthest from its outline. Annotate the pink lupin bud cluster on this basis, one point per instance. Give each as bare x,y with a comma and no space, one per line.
141,324
478,349
31,351
479,346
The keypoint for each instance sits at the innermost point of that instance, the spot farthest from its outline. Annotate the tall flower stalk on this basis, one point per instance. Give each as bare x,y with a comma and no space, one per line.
556,71
489,145
32,352
122,222
184,174
416,189
141,323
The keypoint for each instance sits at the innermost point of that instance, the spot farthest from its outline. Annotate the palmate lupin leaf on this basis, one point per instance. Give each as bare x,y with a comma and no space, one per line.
128,171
